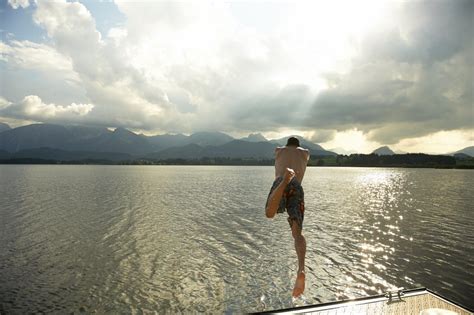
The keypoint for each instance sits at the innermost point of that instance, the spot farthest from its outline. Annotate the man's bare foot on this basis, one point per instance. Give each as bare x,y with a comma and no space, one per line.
299,284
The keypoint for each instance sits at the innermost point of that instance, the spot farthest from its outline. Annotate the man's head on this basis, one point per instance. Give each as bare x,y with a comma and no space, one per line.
292,141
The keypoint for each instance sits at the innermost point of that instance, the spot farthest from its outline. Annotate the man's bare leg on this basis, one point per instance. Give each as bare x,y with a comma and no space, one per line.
275,196
300,247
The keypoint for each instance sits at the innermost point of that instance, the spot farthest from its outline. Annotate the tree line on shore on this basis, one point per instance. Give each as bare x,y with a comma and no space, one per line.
362,160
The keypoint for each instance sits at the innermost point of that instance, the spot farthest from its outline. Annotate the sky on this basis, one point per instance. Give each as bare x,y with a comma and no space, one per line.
353,75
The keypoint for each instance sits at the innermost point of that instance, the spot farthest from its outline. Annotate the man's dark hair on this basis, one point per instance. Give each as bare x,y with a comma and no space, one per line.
292,141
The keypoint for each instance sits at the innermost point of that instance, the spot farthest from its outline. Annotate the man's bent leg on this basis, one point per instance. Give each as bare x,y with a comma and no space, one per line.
300,247
275,196
274,200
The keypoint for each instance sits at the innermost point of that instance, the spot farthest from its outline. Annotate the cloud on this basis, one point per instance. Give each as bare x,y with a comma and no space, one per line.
322,135
411,79
4,103
184,67
121,94
72,28
15,4
35,109
33,56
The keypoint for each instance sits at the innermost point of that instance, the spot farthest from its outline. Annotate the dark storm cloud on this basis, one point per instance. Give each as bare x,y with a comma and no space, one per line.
424,31
272,108
410,80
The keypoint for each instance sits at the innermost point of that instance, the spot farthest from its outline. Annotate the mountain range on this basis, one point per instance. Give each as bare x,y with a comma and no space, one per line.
466,151
75,142
4,127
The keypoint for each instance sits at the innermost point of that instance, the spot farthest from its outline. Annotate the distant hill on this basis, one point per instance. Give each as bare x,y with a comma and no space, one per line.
161,142
468,151
243,149
254,137
342,151
123,141
233,149
34,136
4,154
4,127
383,151
76,138
462,156
209,138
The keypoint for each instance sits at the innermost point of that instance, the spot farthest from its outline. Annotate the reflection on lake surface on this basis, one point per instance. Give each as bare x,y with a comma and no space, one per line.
195,239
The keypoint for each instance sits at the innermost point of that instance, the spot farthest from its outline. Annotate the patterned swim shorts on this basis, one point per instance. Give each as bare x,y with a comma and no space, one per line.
292,200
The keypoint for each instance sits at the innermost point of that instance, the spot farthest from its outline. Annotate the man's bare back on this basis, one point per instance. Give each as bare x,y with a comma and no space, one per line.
292,157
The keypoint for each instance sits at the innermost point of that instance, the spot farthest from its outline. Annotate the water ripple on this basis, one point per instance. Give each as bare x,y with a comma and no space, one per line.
111,239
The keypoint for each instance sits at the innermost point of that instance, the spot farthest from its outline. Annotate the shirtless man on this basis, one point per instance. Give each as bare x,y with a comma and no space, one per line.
287,192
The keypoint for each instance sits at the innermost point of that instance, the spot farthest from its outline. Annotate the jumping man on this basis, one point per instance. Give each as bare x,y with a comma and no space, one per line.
287,193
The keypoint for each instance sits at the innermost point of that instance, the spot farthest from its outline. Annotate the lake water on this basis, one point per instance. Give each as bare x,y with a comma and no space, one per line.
168,239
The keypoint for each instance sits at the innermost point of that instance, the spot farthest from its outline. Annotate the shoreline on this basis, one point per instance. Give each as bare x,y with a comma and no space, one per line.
182,162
